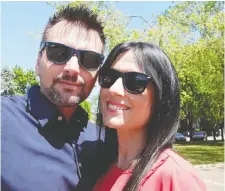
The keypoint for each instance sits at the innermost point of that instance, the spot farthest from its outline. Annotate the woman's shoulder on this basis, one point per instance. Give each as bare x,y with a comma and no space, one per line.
170,162
177,162
172,172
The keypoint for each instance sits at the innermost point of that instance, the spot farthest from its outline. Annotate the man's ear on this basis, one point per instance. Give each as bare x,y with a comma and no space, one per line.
37,64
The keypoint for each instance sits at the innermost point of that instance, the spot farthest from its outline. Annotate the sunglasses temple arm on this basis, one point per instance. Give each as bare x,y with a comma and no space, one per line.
42,45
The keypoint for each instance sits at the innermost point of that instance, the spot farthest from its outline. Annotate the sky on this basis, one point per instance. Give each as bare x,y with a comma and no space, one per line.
22,23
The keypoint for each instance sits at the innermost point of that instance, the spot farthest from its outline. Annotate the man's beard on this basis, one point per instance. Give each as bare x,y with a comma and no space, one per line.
64,99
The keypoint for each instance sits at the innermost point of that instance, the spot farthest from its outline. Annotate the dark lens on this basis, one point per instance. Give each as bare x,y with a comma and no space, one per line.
90,60
58,54
107,78
135,82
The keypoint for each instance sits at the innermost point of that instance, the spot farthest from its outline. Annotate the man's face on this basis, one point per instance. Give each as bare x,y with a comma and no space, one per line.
68,84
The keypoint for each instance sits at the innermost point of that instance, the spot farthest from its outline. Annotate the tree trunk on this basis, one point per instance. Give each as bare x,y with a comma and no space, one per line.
214,134
191,130
190,124
222,134
221,128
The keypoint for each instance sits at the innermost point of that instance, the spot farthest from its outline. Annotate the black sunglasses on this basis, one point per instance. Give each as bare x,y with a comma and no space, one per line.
133,82
60,54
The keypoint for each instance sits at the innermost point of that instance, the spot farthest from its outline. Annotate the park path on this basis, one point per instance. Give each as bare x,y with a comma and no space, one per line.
213,175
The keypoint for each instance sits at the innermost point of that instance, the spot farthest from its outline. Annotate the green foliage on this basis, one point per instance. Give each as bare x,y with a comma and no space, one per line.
86,105
15,81
192,34
23,79
8,86
95,102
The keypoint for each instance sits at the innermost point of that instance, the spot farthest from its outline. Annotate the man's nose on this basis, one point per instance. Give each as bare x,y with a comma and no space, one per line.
72,66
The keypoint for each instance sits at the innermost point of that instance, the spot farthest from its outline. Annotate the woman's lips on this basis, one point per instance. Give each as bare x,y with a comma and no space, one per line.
114,106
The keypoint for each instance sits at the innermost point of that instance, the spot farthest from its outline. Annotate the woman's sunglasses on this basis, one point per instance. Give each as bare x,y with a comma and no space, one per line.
133,82
60,54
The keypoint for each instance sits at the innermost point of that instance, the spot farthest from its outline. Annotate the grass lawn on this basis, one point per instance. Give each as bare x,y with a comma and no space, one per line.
201,152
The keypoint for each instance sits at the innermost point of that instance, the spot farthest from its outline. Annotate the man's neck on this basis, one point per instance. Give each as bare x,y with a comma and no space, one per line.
67,112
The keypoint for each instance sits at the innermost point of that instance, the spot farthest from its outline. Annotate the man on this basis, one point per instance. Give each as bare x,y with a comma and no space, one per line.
45,143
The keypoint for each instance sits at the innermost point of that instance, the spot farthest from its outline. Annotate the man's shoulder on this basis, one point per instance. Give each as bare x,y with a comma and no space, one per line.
91,139
92,132
9,101
12,110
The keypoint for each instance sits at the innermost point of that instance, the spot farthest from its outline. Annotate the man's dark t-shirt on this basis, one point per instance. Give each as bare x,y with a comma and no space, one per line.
40,150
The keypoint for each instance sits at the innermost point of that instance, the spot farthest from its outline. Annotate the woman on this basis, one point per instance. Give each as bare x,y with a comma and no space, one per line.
140,104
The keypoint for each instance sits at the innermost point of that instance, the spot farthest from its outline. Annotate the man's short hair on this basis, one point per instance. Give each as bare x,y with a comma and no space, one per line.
80,15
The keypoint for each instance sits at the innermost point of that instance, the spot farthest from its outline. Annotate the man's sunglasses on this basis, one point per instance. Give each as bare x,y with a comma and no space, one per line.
60,54
133,82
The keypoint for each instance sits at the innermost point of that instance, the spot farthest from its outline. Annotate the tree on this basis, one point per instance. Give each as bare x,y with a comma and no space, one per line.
16,81
23,79
8,86
192,34
86,105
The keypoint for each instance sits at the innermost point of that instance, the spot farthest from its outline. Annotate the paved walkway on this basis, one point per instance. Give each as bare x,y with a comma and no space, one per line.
213,175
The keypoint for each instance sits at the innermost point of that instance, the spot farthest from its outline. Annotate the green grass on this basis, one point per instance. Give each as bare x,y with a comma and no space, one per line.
201,152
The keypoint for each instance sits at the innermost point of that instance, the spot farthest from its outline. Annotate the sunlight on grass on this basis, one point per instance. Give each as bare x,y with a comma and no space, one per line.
204,152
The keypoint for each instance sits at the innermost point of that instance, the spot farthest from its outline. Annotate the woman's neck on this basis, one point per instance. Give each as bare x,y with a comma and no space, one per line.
131,143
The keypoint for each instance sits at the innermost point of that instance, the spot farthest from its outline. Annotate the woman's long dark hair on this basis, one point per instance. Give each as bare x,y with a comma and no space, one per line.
163,124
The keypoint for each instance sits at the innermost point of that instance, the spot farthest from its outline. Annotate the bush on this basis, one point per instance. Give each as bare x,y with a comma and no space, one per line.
86,105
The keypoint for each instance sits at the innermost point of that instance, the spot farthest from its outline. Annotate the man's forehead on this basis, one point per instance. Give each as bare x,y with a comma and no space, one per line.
74,35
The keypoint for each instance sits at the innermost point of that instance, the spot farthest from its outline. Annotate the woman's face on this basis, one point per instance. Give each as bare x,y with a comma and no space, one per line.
122,109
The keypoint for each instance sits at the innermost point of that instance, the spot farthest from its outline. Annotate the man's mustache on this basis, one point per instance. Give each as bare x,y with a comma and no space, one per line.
72,78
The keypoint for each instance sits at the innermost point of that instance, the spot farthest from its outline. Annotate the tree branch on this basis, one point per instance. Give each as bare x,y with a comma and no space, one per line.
133,16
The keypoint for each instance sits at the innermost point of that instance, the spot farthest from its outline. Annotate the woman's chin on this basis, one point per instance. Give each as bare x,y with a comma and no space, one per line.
114,123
